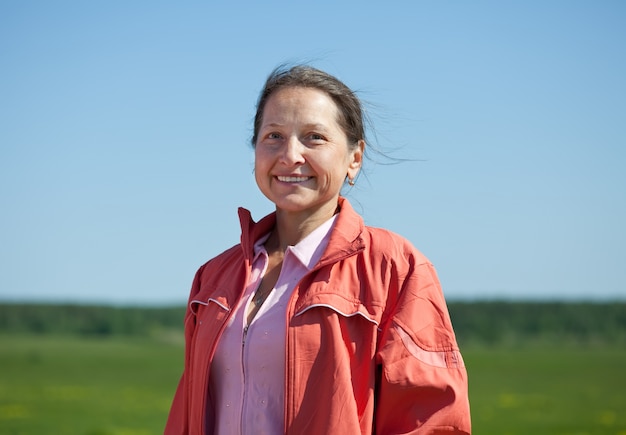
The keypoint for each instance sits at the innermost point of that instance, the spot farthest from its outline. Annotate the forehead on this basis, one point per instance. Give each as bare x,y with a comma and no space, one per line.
300,102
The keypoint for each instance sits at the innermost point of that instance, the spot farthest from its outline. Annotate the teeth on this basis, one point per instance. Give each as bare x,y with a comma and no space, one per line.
292,179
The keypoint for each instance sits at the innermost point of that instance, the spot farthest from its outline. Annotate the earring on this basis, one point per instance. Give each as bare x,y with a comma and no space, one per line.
351,181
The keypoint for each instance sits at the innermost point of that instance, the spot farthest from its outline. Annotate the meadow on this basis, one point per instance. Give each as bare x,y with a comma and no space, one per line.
86,386
554,390
122,384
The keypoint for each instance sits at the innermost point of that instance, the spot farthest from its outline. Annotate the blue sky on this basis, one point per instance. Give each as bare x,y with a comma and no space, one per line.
124,140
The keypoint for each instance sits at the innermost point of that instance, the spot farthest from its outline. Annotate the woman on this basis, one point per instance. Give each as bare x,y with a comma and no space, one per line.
316,323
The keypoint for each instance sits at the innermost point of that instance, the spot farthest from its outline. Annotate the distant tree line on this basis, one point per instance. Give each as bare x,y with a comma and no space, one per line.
499,322
87,319
487,323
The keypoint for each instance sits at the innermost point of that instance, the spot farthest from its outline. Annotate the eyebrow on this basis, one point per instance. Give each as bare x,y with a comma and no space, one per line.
312,126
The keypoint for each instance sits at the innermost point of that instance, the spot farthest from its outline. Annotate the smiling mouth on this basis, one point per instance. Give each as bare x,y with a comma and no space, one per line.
292,179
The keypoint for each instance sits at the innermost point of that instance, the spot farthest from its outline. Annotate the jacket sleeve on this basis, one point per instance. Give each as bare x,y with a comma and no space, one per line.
422,380
178,419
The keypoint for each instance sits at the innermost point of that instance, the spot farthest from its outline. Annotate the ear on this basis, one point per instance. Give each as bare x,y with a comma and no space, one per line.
356,159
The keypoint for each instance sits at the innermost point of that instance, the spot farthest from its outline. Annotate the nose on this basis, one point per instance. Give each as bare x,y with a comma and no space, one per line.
292,152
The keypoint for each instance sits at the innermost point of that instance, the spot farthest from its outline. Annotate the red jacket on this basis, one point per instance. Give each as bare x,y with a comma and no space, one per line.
369,343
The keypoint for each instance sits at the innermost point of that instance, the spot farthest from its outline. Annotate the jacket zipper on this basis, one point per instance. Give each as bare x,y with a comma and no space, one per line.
243,339
243,371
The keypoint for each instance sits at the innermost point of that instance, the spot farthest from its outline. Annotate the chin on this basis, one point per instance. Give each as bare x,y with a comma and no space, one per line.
308,207
292,204
292,207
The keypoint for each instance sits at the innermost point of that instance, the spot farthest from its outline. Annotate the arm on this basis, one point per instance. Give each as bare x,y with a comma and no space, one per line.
178,419
422,382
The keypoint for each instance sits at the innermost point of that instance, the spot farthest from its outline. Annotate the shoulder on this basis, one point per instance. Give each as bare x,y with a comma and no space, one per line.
385,243
221,268
222,273
231,255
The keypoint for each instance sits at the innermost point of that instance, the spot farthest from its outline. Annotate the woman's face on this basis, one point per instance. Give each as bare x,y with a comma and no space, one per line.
302,155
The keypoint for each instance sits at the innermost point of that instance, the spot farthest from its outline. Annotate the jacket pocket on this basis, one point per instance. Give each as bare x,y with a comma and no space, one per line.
220,301
345,307
209,315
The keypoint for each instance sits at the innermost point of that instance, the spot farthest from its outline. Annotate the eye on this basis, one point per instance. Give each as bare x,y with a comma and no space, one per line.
316,137
273,135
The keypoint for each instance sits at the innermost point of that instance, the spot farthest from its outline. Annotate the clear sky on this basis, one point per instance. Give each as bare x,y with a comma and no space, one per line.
125,127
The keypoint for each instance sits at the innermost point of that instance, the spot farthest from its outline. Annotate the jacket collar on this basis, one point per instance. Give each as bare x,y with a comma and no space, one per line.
252,231
345,238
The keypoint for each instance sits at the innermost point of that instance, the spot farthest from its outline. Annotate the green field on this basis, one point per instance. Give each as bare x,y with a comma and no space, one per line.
97,386
116,385
548,390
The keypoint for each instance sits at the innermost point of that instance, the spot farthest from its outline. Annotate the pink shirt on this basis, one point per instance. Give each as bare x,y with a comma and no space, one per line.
247,379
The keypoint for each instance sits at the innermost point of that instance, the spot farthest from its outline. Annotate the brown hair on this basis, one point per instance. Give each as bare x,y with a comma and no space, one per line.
350,112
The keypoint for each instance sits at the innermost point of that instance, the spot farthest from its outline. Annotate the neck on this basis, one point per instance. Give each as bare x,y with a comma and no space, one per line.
291,228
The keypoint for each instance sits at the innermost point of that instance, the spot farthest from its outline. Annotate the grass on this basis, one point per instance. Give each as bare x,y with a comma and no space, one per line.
123,386
65,385
554,390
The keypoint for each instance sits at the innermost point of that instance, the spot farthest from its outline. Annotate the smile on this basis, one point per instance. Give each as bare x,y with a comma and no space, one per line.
292,179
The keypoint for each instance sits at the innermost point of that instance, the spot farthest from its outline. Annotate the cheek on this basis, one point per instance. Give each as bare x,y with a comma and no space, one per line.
261,169
258,170
258,160
340,168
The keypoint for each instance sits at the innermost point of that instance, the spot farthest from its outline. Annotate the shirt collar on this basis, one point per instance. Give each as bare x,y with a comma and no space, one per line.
310,249
259,247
